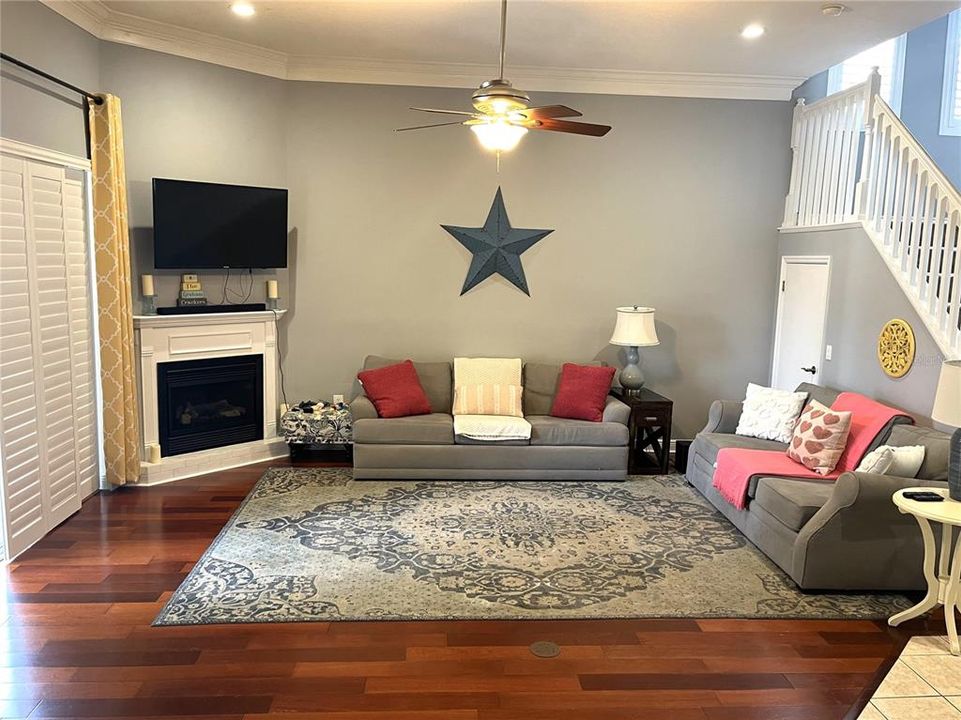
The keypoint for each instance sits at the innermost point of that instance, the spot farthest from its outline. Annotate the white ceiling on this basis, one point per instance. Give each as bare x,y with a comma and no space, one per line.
679,47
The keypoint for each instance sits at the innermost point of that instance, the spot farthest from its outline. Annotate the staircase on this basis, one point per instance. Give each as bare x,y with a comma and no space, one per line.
856,164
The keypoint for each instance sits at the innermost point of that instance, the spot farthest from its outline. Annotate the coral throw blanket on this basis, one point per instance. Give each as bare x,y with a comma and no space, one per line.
736,466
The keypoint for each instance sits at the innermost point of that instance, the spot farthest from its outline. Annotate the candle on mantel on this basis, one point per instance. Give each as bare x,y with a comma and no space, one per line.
153,453
272,290
146,285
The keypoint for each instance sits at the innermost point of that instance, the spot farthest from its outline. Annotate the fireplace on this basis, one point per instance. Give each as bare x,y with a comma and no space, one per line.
210,403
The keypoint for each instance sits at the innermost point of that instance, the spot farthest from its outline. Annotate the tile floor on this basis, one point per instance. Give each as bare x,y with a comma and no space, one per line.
924,684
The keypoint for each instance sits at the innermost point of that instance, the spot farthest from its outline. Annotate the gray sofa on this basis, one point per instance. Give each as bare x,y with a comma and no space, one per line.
843,535
425,447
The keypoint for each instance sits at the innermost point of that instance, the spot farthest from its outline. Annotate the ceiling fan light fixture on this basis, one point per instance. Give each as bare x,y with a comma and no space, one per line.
498,135
499,97
243,9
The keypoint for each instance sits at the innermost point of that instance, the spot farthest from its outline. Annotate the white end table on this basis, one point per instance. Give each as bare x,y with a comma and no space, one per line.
944,586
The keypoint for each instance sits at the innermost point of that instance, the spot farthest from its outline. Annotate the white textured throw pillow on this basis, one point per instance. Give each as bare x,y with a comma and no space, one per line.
905,461
770,414
878,461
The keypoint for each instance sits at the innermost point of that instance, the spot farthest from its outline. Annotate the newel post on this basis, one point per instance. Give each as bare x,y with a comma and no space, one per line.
791,201
862,190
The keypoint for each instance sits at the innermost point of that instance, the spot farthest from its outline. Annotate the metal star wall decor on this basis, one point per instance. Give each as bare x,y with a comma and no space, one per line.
496,247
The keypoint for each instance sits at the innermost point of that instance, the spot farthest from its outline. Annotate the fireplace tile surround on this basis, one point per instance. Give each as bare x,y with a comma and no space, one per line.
164,341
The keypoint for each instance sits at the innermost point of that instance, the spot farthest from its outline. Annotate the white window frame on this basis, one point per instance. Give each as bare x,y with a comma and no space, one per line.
835,74
951,125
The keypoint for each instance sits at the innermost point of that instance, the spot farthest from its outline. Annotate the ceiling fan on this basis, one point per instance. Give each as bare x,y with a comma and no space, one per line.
502,113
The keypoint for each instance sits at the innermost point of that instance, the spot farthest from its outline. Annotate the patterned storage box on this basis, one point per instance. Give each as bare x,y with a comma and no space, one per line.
317,423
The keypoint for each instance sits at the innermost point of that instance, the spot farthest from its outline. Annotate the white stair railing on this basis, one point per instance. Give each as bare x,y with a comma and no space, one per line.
826,141
913,214
855,161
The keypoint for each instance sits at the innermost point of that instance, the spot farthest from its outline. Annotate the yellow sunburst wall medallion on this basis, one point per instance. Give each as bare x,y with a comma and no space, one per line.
896,348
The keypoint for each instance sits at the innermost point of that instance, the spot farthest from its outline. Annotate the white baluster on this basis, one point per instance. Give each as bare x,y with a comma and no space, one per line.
954,309
791,201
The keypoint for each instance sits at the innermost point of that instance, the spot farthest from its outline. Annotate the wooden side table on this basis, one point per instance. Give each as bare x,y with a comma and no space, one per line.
650,432
944,585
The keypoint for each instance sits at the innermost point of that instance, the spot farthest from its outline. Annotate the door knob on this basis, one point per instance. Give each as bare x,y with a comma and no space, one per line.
813,369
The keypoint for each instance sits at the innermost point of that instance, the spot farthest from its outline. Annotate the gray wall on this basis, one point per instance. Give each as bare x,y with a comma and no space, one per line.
34,110
921,96
676,208
864,296
191,120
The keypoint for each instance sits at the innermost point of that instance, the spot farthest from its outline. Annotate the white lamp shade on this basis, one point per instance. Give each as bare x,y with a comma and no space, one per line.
635,327
947,400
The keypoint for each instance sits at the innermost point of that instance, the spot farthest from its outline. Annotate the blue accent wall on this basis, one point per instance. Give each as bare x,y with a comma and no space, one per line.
921,96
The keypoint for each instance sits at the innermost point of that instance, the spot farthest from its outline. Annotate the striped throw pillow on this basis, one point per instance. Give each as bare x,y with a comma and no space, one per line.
488,400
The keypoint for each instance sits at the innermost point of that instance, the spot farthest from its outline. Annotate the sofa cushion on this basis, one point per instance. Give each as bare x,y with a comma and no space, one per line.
547,430
791,501
435,378
433,429
824,395
540,386
937,446
709,444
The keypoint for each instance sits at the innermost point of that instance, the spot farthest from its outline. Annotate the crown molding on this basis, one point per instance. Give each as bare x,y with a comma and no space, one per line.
99,20
545,79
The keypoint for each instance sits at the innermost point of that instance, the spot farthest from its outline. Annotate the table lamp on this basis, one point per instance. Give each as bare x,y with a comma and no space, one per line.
634,329
947,410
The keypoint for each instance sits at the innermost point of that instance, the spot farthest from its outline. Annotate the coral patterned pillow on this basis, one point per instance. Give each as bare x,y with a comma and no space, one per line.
820,437
488,400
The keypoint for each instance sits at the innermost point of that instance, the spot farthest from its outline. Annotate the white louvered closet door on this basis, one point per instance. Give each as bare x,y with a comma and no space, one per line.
48,432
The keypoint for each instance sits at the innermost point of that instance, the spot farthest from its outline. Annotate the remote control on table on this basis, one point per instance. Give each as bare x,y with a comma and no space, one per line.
924,496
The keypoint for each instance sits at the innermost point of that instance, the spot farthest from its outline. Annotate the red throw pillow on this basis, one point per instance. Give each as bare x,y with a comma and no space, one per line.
582,392
395,390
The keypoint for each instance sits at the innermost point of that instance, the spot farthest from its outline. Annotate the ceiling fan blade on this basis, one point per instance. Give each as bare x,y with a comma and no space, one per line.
549,111
443,112
421,127
578,128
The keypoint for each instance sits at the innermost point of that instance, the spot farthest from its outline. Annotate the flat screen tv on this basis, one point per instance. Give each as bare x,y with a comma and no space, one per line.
199,225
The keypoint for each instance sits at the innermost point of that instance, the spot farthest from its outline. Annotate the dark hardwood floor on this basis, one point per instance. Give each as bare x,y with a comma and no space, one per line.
76,642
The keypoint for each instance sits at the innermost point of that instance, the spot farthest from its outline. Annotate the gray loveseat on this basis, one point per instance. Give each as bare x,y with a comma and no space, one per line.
425,447
827,535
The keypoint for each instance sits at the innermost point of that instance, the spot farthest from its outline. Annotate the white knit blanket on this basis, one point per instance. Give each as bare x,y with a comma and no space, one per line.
492,427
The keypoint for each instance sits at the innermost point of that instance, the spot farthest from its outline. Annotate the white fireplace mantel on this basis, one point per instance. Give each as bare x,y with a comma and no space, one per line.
197,319
174,338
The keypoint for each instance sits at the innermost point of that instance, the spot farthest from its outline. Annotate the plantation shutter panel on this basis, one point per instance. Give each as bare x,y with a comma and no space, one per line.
19,424
81,335
47,394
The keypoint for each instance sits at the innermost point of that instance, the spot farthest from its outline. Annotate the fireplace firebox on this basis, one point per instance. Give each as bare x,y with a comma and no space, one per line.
210,403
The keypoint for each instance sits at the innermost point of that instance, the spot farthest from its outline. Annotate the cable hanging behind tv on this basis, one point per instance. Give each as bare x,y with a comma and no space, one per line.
204,226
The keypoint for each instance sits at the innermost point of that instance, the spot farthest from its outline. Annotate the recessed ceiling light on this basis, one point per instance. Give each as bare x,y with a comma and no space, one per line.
752,31
244,9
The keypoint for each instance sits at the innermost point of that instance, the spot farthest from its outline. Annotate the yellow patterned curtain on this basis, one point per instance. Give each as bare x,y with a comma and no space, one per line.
121,420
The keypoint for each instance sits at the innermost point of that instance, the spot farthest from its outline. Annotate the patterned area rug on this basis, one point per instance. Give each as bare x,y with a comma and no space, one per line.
312,544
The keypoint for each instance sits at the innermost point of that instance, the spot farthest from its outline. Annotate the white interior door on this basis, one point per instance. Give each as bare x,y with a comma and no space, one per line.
801,316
